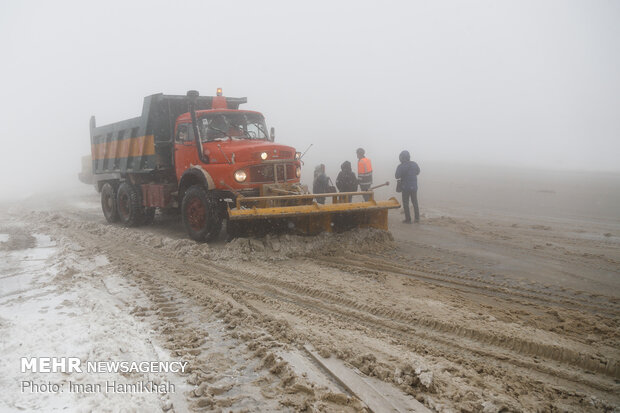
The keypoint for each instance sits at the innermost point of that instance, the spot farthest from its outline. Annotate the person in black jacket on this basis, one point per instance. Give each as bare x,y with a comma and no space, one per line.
346,180
408,172
320,185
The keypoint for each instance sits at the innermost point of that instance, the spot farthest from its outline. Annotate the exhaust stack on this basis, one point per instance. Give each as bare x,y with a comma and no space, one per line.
192,96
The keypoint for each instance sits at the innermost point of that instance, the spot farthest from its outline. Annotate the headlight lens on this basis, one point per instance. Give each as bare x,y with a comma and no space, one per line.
297,156
298,172
263,156
240,175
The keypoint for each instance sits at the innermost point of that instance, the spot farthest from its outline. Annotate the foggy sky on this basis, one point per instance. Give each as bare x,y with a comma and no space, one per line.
521,83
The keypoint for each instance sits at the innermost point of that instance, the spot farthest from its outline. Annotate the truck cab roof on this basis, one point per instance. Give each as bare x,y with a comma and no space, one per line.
186,117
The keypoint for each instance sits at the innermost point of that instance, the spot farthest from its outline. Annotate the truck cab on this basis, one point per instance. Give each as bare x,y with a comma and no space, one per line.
220,154
239,153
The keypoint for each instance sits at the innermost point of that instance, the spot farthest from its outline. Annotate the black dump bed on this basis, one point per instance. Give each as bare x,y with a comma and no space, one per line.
143,144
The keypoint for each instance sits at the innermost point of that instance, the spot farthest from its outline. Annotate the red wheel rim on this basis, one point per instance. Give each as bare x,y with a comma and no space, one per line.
196,214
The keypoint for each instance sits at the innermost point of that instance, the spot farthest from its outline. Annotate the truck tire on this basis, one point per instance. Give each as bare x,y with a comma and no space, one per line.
129,205
108,202
200,214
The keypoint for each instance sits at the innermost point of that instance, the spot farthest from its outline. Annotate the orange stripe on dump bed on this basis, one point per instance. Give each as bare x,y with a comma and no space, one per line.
138,146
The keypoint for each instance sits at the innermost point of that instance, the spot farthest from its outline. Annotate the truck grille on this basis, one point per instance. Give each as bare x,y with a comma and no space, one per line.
265,173
285,155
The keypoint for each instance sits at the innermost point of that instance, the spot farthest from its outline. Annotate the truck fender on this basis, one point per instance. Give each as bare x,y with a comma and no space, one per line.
195,175
207,175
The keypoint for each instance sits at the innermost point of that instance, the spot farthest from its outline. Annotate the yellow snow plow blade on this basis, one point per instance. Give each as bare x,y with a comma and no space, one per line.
302,214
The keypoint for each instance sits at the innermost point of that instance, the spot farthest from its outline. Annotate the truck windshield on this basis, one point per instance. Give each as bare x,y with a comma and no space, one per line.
237,125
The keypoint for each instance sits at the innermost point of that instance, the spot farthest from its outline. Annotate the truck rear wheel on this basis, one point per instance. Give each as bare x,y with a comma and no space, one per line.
200,214
129,204
108,202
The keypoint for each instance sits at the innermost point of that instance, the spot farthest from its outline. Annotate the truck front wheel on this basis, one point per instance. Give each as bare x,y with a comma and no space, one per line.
129,204
200,214
108,202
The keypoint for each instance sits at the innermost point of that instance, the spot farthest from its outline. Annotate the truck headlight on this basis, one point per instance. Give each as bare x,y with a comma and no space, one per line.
298,172
263,156
297,156
240,175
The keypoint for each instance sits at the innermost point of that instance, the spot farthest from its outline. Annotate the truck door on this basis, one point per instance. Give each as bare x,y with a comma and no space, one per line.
185,152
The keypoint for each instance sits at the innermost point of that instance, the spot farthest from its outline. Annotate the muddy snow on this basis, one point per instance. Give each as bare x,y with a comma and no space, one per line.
468,311
51,305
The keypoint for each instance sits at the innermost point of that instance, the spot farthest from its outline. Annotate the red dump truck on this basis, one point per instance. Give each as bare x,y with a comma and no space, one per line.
215,162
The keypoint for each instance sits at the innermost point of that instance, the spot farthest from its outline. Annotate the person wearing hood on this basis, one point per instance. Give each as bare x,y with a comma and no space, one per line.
346,180
320,185
407,172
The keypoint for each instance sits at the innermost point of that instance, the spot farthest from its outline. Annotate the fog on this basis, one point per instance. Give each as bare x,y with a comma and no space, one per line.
524,84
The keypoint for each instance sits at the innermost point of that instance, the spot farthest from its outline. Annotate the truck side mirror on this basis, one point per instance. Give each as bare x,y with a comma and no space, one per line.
273,134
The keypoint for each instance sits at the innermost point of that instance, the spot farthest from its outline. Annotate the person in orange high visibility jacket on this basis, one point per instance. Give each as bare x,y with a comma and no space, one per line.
364,172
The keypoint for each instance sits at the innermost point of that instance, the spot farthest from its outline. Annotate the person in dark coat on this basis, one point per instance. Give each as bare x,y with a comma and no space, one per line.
320,185
408,172
346,180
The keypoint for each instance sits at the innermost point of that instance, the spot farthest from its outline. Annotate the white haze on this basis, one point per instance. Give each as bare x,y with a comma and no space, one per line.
521,83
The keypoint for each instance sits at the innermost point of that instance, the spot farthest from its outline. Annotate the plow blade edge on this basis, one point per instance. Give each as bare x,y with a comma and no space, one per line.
312,218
